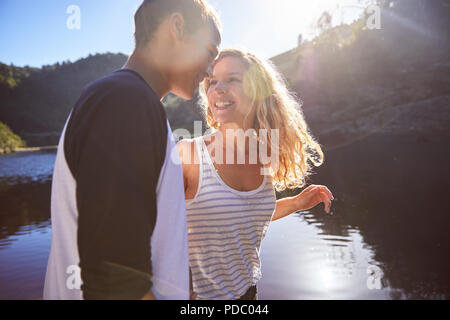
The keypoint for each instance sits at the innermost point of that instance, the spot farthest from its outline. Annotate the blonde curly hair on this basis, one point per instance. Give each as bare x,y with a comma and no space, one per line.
276,108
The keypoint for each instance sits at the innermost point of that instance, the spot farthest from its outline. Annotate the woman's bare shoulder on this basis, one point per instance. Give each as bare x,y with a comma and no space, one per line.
184,144
186,150
190,164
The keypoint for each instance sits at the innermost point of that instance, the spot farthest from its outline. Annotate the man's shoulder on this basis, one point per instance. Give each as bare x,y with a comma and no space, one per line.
122,84
120,100
122,94
115,110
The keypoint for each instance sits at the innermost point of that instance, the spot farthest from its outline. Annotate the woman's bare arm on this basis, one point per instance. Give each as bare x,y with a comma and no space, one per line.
307,199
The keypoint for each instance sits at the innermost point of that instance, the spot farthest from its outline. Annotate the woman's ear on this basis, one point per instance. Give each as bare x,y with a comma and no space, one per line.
177,26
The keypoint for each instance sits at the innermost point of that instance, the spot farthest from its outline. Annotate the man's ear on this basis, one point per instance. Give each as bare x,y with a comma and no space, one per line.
177,26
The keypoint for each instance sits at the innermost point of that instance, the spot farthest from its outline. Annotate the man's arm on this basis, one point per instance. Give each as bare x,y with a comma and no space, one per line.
170,261
117,151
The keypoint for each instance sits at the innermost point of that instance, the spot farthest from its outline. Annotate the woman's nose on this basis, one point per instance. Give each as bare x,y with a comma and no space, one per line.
220,86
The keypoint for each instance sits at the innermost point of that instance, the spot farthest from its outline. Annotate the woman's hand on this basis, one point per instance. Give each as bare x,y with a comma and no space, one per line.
312,196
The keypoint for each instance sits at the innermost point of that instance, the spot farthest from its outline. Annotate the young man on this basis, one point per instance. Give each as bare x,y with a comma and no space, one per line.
117,207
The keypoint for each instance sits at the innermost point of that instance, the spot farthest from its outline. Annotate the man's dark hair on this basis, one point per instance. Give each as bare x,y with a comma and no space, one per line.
151,12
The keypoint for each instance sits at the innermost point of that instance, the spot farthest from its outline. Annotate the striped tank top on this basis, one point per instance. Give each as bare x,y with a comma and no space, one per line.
225,230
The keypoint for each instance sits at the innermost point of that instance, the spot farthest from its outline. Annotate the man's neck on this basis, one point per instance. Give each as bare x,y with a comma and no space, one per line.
149,71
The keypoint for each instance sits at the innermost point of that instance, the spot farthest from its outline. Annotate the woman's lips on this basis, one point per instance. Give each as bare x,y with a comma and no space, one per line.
223,105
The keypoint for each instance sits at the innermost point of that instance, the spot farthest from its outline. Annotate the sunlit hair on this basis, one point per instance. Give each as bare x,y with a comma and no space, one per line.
151,12
276,108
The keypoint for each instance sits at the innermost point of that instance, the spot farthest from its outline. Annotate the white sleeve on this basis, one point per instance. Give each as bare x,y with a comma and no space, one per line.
169,242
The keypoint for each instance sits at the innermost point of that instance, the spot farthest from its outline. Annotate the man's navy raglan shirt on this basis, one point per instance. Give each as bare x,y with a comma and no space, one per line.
117,148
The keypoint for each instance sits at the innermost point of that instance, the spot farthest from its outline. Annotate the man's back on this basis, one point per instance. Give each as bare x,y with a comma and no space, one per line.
106,190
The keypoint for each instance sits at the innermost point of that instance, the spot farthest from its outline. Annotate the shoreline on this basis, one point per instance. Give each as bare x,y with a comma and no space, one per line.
26,149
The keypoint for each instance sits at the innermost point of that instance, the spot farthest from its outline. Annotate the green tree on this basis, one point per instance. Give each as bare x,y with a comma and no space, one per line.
8,140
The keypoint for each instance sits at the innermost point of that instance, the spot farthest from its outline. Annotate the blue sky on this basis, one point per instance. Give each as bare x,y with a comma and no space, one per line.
35,32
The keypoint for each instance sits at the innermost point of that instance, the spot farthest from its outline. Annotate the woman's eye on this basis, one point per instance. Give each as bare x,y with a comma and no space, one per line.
214,82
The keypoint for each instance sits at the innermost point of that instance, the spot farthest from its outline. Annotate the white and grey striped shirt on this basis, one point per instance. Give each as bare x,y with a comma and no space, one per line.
225,230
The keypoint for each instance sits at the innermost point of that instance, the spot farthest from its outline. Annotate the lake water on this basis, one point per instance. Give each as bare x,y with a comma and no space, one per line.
387,238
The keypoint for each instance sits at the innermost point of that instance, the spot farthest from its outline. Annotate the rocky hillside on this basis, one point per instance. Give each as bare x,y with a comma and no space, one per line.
355,81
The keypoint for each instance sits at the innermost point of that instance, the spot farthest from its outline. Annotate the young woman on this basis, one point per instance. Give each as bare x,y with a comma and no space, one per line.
229,205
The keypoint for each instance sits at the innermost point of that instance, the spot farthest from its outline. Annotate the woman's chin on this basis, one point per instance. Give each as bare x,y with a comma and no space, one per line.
231,123
224,115
221,119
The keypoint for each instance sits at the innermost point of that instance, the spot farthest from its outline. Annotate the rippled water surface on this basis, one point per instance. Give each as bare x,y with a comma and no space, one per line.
385,240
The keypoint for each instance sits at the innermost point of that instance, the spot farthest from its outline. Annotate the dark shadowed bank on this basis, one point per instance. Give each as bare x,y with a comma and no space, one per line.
378,102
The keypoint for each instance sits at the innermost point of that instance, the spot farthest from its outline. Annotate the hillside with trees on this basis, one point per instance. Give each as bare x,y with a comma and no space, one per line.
35,102
353,81
8,140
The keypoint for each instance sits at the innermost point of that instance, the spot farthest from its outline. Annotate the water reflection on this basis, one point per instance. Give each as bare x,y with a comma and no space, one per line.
300,261
25,184
391,192
25,206
387,239
23,259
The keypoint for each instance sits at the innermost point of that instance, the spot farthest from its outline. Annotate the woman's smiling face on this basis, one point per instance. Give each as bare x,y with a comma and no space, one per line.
226,97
